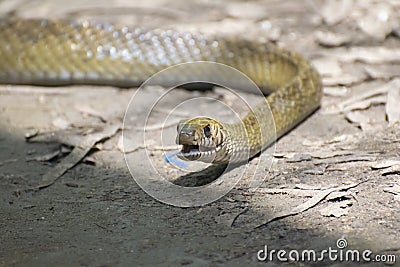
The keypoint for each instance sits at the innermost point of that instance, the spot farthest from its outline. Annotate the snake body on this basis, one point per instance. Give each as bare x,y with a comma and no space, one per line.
59,52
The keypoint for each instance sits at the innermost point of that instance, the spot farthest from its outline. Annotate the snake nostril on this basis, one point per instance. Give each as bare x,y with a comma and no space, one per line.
185,130
184,138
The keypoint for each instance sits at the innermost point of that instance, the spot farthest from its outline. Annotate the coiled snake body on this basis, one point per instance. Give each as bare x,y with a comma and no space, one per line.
57,52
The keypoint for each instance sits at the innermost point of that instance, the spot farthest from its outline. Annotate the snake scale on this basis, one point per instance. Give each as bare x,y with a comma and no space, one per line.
60,52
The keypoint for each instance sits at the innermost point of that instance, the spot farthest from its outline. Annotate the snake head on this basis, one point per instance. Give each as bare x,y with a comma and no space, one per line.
201,138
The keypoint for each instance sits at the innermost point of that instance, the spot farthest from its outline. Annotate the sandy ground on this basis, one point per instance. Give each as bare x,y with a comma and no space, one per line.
336,176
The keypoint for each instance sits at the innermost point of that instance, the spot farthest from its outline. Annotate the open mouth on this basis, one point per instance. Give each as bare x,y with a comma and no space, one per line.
193,152
188,148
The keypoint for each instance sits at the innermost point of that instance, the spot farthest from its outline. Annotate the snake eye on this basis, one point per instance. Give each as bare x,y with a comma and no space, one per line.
207,131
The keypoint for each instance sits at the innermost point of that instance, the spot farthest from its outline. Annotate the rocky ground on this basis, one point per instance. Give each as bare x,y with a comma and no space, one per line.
69,199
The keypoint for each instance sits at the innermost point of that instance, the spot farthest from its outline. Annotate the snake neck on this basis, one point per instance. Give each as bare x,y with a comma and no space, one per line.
269,120
247,138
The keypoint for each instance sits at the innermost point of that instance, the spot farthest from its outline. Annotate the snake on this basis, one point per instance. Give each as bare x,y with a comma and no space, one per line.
56,52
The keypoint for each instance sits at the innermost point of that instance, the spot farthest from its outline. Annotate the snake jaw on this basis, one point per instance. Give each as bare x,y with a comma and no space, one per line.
192,152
